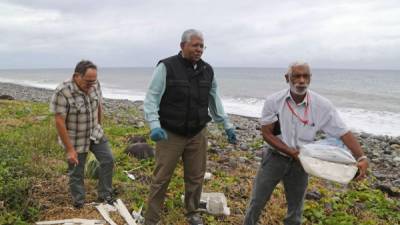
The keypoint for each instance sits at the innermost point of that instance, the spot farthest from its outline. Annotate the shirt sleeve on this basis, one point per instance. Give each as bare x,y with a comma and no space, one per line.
332,124
100,93
215,106
268,113
59,104
153,97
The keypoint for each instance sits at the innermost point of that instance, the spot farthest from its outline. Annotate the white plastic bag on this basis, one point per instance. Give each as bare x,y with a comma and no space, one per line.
328,159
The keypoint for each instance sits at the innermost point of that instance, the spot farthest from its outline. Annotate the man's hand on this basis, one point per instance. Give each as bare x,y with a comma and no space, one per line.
72,157
231,135
158,134
362,168
294,153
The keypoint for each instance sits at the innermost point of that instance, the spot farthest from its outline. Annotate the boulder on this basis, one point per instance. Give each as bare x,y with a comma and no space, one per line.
140,150
6,97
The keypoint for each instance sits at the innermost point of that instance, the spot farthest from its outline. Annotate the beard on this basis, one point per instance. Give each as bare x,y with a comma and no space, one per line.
298,89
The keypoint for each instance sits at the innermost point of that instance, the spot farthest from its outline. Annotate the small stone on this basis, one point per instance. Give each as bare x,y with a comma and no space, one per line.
244,147
379,176
396,183
242,159
365,135
233,163
140,124
313,195
257,159
395,146
396,159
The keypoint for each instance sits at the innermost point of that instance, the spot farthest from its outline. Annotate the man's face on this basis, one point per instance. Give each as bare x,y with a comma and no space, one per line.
86,81
193,49
299,80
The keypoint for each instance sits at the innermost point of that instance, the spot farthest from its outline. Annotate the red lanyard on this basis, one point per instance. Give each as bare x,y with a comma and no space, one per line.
304,120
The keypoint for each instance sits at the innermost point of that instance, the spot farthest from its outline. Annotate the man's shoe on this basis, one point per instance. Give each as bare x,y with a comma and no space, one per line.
109,199
195,219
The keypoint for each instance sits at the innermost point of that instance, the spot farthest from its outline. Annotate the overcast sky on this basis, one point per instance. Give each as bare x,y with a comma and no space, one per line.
261,33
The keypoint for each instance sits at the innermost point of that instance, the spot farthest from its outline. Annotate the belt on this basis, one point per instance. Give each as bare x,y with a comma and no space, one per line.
279,153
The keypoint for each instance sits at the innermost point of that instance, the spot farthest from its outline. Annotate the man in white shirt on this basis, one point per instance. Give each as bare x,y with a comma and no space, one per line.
291,118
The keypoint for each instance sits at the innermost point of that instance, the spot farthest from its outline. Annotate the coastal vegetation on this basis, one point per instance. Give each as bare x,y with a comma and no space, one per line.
34,184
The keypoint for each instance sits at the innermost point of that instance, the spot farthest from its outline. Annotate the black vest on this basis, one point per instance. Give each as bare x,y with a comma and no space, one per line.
184,105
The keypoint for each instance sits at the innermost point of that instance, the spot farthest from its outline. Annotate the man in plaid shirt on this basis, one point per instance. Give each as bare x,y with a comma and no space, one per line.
76,104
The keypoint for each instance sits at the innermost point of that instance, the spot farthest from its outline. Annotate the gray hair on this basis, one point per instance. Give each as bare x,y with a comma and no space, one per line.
297,64
188,34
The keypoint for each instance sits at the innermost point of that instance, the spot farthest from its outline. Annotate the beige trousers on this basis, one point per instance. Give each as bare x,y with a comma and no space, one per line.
193,152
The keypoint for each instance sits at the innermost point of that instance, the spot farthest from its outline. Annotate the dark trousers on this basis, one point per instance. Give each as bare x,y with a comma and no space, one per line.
273,169
103,154
168,152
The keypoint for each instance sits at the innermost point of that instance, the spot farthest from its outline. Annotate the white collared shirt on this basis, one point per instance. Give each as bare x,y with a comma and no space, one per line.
321,116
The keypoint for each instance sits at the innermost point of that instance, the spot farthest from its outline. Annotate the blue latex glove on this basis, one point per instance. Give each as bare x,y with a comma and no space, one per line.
231,135
158,134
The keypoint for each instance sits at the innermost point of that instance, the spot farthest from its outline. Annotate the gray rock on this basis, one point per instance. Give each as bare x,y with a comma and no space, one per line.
6,97
396,183
380,176
140,151
387,189
244,147
136,139
233,163
313,195
396,159
364,135
243,159
257,159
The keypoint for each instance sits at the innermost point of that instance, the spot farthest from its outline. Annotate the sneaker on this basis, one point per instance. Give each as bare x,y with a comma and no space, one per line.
195,219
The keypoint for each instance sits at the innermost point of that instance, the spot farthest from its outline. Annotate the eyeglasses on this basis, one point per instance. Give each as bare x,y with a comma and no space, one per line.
202,46
89,82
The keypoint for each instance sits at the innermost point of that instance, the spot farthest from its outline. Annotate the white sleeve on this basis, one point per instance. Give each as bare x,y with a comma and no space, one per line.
269,113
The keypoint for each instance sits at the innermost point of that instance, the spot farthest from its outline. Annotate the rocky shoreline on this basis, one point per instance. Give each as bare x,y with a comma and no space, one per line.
383,151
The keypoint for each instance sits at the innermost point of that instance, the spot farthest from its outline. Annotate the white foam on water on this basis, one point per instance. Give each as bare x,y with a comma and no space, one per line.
123,94
31,83
358,120
373,122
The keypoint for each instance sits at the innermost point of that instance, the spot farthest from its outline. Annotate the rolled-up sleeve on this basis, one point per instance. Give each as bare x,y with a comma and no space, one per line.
153,97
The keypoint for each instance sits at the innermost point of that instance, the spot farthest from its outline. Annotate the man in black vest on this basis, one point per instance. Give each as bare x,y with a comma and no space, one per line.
181,94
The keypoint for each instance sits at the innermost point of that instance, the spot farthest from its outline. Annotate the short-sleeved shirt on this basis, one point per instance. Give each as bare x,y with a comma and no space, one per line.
321,116
80,111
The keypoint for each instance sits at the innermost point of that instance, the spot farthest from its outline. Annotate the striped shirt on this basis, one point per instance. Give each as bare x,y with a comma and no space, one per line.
80,111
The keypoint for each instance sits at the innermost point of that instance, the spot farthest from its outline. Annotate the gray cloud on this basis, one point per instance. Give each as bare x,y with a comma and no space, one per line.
344,34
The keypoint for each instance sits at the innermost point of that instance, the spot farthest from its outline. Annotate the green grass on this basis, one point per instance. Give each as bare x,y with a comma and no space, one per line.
30,154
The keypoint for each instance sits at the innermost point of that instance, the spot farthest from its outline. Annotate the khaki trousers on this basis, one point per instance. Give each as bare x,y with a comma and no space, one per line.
193,152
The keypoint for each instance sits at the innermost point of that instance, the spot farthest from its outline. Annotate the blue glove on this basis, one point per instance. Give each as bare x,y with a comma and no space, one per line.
231,135
158,134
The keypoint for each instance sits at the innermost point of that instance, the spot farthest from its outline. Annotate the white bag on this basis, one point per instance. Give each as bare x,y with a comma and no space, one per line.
328,159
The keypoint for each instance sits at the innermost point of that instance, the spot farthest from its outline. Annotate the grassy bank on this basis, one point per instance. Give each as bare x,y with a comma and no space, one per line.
33,182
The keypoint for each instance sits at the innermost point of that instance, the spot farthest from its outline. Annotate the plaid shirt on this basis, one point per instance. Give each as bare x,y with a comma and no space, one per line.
80,112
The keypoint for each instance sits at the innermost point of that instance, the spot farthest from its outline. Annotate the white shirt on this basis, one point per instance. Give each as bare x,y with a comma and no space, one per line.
321,115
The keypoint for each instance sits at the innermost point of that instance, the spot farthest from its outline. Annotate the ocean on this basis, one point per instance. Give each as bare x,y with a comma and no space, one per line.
368,100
